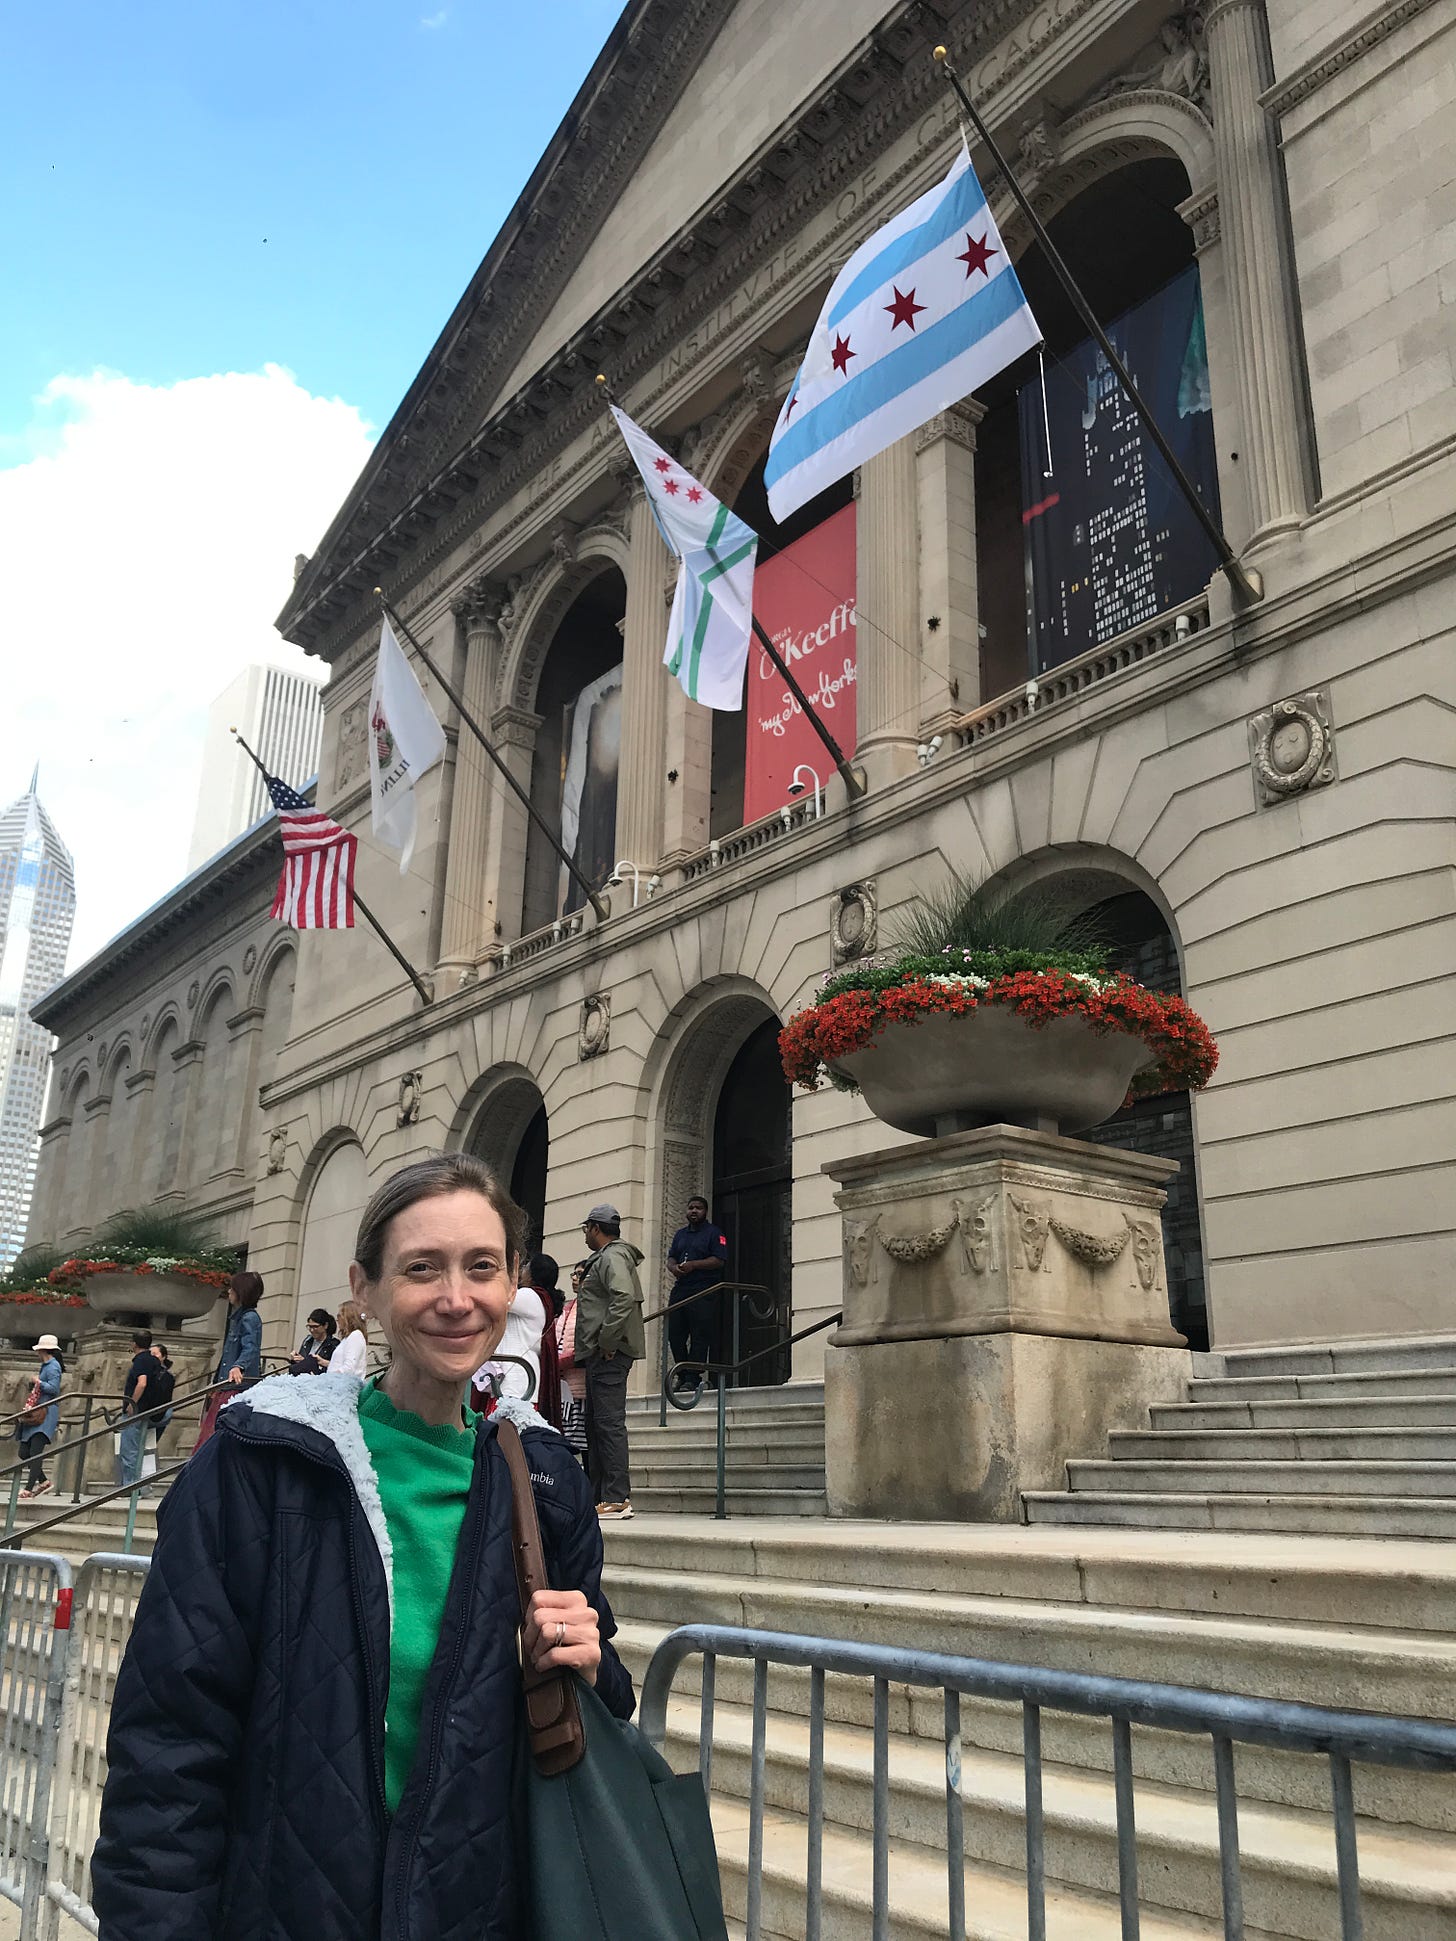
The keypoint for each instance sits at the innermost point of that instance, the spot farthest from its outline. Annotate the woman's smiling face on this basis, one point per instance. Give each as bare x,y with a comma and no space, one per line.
445,1287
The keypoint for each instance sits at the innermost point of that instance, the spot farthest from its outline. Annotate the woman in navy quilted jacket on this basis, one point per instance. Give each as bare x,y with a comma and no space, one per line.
314,1736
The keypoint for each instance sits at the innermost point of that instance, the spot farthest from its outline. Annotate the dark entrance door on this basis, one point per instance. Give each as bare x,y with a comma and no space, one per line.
528,1177
752,1189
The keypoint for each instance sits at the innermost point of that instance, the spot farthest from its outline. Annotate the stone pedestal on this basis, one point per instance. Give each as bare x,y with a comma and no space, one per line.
1005,1308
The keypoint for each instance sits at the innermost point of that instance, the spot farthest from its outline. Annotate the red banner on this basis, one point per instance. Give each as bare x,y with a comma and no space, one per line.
804,598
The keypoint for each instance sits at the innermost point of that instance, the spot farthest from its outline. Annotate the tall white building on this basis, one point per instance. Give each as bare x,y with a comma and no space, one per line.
37,909
277,713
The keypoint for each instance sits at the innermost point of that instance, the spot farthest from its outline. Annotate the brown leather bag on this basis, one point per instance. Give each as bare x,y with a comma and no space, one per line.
553,1717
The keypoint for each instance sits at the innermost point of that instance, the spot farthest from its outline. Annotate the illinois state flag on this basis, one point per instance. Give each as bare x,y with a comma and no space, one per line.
404,740
919,317
712,609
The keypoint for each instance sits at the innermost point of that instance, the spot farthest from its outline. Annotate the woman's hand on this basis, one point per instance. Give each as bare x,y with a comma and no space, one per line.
235,1376
580,1649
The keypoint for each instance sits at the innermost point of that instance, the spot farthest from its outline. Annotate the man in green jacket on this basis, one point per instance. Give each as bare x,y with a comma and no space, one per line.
609,1338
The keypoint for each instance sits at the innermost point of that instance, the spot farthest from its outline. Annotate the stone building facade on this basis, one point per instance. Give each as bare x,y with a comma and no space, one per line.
1264,793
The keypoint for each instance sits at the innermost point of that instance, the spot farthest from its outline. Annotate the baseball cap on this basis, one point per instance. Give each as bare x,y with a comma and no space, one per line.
603,1216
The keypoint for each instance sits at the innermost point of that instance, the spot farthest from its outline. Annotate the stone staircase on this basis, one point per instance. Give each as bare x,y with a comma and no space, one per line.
1351,1440
775,1453
1328,1621
95,1526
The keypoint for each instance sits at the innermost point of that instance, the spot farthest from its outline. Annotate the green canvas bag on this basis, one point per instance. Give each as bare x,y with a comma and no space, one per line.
618,1847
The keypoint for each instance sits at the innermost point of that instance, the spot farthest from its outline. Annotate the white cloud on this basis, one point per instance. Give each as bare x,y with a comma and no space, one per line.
430,21
150,533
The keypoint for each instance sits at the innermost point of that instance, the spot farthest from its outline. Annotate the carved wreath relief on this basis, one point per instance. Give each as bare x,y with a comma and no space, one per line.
854,922
411,1098
595,1030
1292,748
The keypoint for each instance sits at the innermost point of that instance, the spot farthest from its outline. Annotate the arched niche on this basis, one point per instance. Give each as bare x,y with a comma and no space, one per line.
1142,939
508,1127
725,1131
335,1198
577,703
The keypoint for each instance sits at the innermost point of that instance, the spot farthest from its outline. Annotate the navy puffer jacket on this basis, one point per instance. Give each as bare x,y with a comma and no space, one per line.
245,1796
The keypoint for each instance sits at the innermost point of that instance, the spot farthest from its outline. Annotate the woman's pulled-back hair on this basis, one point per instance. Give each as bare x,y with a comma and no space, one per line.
247,1289
428,1179
324,1319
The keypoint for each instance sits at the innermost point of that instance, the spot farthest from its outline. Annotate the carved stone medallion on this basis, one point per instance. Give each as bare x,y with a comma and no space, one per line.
595,1030
277,1149
1292,748
854,922
411,1096
250,957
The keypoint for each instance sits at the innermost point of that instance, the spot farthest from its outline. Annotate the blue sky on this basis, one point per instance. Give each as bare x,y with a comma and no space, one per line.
212,186
231,232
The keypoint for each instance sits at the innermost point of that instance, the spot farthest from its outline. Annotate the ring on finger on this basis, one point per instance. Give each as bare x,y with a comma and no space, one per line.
560,1639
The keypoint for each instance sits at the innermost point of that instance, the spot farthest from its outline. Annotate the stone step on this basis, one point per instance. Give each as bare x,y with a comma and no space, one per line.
1312,1663
1287,1857
1256,1477
790,1400
1199,1511
750,1439
1384,1354
1303,1444
701,1470
1178,1759
1324,1388
995,1901
668,1499
1393,1412
1390,1586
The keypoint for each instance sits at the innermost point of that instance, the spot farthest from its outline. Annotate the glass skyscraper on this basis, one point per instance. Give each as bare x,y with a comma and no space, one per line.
37,909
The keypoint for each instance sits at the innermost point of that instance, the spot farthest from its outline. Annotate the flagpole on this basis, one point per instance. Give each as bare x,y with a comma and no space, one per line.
853,781
1248,585
359,904
480,735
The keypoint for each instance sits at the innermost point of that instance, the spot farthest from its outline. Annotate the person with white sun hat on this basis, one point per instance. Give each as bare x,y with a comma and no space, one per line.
35,1427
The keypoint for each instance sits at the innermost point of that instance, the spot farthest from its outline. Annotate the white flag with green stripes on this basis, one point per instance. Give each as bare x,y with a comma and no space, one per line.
712,610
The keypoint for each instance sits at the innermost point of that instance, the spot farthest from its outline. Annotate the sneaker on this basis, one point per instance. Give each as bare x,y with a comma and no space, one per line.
614,1512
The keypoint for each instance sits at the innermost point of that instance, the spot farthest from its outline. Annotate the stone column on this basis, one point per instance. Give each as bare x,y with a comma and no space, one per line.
466,923
233,1149
645,682
1252,211
513,731
687,776
945,467
887,596
97,1113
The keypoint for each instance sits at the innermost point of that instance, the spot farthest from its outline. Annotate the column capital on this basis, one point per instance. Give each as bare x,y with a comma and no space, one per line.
479,605
515,727
1220,10
958,424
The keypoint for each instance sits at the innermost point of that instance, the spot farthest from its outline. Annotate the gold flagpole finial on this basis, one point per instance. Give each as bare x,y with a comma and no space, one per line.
379,591
941,53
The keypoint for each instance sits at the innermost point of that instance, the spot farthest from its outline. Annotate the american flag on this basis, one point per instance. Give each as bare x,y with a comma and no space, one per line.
316,889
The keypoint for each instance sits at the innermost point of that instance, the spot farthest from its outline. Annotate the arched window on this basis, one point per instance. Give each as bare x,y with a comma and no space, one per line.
574,769
1093,539
511,1133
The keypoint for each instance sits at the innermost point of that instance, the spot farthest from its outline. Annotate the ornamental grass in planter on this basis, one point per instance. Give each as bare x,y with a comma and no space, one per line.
995,1006
147,1260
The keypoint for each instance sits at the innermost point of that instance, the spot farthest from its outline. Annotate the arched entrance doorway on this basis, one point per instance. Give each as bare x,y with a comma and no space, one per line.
726,1134
511,1133
335,1201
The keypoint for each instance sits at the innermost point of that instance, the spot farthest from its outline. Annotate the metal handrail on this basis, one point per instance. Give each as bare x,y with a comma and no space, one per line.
74,1444
1422,1745
750,1288
722,1369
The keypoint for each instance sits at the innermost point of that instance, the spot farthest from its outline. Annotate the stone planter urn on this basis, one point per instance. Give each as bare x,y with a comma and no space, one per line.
174,1295
945,1074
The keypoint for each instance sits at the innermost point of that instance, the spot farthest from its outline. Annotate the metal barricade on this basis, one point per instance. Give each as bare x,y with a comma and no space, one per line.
35,1616
1224,1718
107,1589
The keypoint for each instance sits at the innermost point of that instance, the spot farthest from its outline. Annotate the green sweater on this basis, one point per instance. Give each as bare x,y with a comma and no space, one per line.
424,1478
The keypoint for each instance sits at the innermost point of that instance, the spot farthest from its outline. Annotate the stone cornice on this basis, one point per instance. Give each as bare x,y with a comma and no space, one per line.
878,94
1307,80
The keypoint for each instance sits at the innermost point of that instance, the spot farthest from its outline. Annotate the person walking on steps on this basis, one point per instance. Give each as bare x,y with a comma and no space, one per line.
696,1261
35,1429
609,1338
313,1730
136,1400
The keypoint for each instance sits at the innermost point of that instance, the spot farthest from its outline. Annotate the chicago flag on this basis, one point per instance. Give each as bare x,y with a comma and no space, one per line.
712,609
920,316
404,740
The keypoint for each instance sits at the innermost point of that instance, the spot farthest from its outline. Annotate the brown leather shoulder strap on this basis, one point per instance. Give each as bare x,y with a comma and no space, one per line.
553,1717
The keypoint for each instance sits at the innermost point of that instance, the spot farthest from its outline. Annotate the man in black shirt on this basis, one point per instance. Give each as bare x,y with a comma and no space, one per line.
697,1259
140,1377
